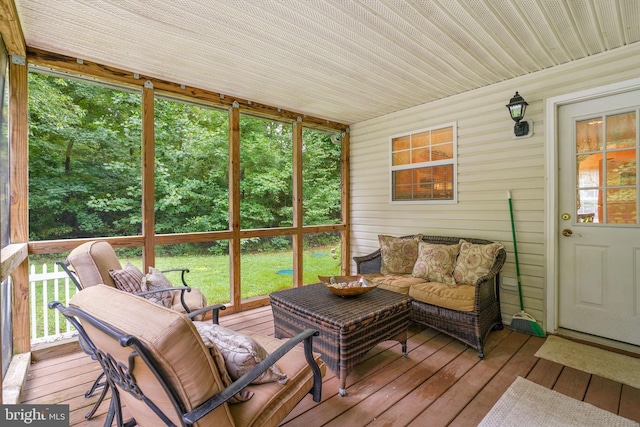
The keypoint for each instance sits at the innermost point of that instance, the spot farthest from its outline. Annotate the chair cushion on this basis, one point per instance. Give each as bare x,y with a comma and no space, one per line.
455,297
474,261
92,262
398,254
171,337
273,401
435,263
394,282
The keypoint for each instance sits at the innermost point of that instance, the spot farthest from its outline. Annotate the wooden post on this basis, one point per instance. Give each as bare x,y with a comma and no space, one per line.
234,204
298,220
346,205
148,184
19,209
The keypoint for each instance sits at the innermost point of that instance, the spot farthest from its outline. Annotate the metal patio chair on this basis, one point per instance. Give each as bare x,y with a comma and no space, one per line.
89,264
158,366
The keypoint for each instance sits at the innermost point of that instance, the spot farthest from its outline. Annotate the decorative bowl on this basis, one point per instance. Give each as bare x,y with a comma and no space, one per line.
346,286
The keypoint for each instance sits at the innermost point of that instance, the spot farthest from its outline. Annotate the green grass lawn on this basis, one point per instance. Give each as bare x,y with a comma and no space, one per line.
259,276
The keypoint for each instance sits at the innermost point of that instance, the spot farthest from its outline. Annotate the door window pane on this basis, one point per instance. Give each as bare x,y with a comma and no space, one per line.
621,130
621,206
589,135
607,190
621,168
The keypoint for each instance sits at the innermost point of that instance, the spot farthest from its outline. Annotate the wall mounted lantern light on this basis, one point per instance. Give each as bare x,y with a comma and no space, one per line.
517,106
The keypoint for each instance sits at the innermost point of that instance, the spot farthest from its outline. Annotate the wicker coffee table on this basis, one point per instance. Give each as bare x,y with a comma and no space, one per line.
349,327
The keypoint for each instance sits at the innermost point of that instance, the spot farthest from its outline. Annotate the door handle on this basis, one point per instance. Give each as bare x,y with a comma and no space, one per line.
567,233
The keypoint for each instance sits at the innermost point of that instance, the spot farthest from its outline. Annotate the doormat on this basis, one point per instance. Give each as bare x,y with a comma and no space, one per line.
527,404
596,361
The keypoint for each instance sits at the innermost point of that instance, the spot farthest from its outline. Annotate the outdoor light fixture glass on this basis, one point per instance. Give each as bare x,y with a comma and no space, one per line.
517,106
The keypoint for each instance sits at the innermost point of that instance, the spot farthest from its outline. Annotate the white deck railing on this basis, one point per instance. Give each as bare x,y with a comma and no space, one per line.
44,287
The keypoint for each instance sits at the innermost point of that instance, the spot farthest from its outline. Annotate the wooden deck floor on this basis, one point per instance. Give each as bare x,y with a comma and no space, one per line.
440,383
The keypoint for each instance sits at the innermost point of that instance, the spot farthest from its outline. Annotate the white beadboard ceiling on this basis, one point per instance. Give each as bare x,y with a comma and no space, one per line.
340,60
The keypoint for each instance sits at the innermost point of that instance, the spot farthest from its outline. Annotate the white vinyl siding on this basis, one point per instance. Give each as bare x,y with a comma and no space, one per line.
489,163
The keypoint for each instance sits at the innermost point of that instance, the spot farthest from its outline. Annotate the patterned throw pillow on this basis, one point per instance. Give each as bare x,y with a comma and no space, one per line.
240,352
474,261
435,263
156,280
398,254
129,279
205,329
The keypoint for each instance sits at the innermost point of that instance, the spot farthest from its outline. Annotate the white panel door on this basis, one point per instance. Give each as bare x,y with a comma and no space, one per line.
599,231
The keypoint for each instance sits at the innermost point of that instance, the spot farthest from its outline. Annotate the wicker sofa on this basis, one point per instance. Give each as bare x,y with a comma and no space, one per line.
465,311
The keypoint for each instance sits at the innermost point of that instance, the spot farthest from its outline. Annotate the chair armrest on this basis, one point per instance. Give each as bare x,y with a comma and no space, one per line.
368,263
242,382
488,286
182,290
214,309
72,274
182,278
185,286
155,291
501,256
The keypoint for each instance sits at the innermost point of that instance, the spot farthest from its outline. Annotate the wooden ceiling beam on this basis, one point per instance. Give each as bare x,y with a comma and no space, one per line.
109,74
11,29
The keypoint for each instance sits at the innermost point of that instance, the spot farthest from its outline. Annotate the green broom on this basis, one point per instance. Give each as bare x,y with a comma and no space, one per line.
522,321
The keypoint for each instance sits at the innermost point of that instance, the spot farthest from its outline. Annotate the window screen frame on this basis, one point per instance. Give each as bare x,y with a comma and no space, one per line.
453,162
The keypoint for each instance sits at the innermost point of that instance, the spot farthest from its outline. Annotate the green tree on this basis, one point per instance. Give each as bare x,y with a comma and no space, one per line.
191,168
85,166
84,159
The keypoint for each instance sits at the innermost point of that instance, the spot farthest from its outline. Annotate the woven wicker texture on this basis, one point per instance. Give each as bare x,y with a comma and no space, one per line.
471,327
349,327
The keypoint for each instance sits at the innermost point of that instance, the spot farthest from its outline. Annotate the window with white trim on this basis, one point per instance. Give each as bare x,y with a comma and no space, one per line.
424,165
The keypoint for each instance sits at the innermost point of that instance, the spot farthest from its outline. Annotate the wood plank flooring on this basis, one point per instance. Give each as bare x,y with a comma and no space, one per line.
440,383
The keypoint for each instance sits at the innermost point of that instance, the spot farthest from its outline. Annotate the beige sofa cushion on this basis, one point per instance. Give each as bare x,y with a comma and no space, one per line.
398,254
455,297
435,263
474,261
171,337
396,283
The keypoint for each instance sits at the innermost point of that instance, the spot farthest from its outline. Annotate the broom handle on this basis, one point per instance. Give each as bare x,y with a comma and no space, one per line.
515,250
